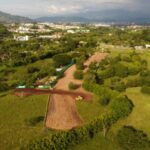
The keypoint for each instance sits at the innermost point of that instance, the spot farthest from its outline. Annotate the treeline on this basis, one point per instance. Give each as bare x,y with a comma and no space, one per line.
114,72
122,36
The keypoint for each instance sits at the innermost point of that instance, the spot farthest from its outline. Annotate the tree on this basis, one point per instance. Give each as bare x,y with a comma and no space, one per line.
105,99
121,70
72,86
61,60
78,74
3,86
132,139
145,89
122,106
32,69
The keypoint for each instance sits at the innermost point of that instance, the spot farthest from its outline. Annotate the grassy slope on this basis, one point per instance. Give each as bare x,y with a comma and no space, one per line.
14,131
90,110
139,118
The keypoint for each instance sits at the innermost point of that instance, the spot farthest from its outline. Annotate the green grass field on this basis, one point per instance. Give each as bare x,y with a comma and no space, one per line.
14,111
90,110
140,117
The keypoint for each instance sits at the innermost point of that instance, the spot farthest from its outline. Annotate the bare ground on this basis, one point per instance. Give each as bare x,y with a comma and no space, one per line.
62,113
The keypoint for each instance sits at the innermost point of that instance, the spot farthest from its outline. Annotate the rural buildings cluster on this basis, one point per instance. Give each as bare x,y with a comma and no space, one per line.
23,32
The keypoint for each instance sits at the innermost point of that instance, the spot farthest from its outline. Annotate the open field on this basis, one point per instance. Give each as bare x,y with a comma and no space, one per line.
14,113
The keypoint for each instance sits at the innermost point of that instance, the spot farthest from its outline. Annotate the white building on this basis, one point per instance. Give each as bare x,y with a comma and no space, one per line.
71,31
147,45
21,38
138,47
53,36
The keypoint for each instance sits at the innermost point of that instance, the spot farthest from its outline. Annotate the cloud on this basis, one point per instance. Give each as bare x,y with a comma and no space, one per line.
38,8
56,9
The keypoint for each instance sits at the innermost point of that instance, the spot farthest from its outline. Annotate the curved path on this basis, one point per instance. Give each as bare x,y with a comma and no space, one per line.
62,113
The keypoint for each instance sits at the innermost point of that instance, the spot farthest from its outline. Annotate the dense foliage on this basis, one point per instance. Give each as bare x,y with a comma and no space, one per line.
132,139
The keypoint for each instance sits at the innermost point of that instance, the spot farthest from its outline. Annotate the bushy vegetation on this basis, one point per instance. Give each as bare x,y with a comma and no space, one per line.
3,86
61,60
145,89
122,106
130,138
72,86
78,74
34,121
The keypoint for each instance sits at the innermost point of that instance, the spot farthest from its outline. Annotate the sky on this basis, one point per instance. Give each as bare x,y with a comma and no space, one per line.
39,8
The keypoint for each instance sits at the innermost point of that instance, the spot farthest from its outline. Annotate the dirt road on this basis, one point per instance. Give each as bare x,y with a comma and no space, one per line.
62,113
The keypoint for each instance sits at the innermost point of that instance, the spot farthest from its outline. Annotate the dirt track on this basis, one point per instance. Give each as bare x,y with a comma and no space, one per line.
62,113
30,91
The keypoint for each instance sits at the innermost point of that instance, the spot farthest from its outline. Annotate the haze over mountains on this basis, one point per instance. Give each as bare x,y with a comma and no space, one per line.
117,16
107,16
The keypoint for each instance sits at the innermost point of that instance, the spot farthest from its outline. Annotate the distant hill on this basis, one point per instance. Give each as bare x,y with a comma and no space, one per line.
8,18
116,16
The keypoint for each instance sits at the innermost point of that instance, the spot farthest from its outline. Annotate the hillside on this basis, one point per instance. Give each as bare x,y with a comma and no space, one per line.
8,18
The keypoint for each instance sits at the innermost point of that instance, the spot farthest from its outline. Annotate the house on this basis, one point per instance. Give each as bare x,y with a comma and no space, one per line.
71,31
21,38
147,46
138,47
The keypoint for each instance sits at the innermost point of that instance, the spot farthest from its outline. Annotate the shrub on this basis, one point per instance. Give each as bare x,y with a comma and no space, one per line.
145,89
90,77
72,86
121,70
107,73
80,66
145,73
104,99
3,86
32,69
34,121
132,139
78,74
133,83
133,69
126,57
145,80
61,60
122,106
80,62
120,86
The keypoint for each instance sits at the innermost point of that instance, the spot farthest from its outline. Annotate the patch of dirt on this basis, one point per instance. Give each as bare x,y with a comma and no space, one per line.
62,113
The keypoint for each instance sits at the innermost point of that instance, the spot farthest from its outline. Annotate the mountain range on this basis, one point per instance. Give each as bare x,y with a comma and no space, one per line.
116,16
8,18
